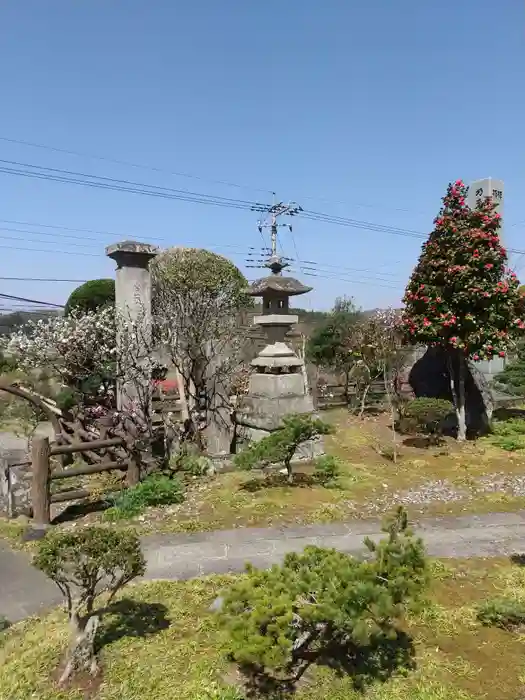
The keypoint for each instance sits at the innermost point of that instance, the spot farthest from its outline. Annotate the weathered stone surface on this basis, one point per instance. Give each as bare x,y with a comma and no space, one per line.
15,482
429,376
276,320
274,386
132,250
267,414
133,303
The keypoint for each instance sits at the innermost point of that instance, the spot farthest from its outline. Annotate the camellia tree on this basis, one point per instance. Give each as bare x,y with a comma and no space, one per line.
462,297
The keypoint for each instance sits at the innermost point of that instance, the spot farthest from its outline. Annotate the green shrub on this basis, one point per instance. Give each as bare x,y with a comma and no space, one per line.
509,443
280,446
67,398
91,296
188,464
322,603
512,426
84,564
506,613
155,490
4,623
426,415
326,470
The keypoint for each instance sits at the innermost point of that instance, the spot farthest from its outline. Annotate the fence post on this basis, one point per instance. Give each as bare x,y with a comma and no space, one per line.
40,452
133,475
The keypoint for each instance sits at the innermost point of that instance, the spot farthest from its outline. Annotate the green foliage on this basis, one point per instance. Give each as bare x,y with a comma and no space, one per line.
67,398
322,602
426,415
4,623
201,274
512,379
510,443
91,296
461,294
279,447
509,434
90,559
188,464
326,470
155,490
512,426
7,364
506,613
328,344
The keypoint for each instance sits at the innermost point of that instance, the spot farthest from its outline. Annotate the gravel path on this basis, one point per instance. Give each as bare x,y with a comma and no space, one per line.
24,591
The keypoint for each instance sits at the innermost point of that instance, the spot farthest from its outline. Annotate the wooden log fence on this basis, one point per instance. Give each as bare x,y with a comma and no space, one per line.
43,475
333,395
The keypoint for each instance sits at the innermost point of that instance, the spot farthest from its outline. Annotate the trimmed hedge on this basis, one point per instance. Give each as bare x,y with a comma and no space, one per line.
91,296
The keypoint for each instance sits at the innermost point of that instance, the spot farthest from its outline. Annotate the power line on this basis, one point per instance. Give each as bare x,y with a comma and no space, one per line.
352,281
103,182
30,301
39,279
133,165
55,251
114,184
201,178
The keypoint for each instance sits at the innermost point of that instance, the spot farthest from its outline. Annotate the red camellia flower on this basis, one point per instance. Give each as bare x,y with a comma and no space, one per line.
489,266
502,353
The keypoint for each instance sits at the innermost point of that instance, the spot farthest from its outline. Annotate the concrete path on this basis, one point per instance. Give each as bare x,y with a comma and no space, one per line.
24,591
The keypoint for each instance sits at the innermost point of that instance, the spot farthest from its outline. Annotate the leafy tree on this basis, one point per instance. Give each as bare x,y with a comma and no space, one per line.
322,604
197,301
85,564
91,296
328,345
281,445
461,296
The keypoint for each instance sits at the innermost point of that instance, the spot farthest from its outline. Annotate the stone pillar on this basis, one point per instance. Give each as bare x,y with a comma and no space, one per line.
133,306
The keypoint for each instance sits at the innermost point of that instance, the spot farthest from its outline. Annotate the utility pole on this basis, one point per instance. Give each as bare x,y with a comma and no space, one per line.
271,222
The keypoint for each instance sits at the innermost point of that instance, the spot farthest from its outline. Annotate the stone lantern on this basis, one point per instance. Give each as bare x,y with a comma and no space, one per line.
276,290
277,386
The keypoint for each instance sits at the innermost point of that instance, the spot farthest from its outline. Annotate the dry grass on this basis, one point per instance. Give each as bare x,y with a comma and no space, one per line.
457,659
429,481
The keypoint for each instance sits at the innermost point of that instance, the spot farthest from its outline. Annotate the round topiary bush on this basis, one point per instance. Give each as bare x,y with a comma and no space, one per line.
91,296
427,416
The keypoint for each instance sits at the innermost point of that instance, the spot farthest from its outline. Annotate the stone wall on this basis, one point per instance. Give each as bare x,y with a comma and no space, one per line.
15,483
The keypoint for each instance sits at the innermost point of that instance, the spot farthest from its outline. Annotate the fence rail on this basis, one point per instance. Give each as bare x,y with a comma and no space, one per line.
42,475
336,395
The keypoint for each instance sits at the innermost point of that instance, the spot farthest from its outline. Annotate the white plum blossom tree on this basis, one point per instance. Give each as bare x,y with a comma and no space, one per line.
82,352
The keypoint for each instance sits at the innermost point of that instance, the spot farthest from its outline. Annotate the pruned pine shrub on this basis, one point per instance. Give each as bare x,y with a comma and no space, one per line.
319,601
86,564
280,446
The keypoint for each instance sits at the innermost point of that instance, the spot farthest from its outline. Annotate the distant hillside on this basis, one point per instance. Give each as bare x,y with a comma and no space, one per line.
10,322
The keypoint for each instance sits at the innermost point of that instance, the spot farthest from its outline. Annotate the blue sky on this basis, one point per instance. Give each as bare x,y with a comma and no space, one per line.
360,109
